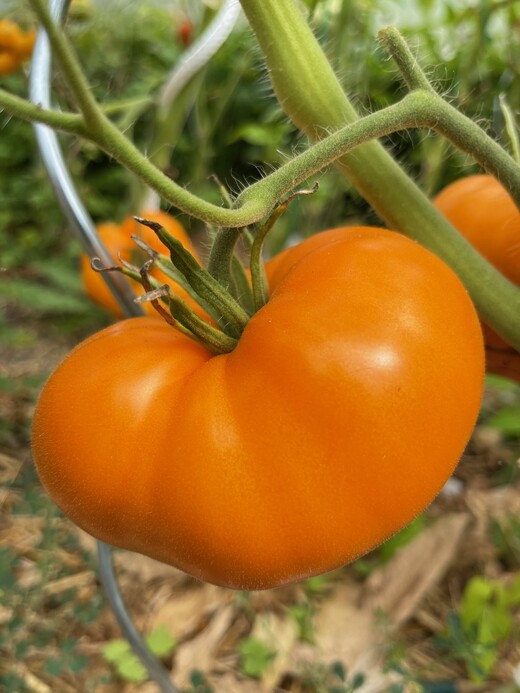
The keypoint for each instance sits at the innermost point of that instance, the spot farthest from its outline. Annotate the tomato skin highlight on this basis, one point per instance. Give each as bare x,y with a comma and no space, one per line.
337,418
117,240
486,215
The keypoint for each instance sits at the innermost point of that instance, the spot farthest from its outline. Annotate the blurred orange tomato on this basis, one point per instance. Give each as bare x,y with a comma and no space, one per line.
117,240
16,45
486,215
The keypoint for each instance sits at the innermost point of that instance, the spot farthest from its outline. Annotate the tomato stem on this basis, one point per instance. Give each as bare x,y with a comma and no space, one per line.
511,127
222,251
242,288
230,315
312,96
258,276
76,80
213,339
398,49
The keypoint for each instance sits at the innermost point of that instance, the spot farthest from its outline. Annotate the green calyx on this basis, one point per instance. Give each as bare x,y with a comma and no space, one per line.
224,290
208,291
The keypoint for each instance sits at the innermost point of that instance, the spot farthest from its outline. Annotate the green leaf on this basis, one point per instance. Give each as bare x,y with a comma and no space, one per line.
498,382
317,584
78,663
507,421
476,596
255,657
357,681
338,670
160,641
61,275
495,626
302,615
481,661
115,650
45,299
131,669
512,593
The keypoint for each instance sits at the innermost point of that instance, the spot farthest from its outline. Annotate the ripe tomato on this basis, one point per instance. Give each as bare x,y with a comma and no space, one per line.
117,239
485,214
336,419
16,46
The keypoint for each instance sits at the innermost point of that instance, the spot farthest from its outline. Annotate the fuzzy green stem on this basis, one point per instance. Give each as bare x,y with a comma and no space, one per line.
312,97
384,184
258,276
400,52
511,127
70,66
213,339
242,287
229,314
222,251
71,123
467,136
497,300
457,128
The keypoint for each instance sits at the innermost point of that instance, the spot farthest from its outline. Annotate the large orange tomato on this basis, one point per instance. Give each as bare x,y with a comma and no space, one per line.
486,215
117,240
336,419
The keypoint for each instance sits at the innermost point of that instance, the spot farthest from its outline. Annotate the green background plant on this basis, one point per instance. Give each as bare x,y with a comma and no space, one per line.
121,656
483,622
234,127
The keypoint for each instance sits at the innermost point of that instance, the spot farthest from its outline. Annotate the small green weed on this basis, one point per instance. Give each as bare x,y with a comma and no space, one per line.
483,622
126,664
255,657
198,683
302,614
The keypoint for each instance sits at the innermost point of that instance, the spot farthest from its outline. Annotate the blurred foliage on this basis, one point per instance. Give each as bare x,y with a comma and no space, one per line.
483,622
228,122
120,655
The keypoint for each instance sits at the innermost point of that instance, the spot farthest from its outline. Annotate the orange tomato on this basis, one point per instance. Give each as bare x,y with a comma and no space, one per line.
117,240
485,214
9,63
16,46
336,419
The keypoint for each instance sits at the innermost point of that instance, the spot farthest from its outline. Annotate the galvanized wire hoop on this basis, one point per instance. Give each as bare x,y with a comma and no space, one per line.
83,227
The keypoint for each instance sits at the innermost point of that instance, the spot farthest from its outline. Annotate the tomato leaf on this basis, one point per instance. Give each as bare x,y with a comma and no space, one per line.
160,641
507,421
255,657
